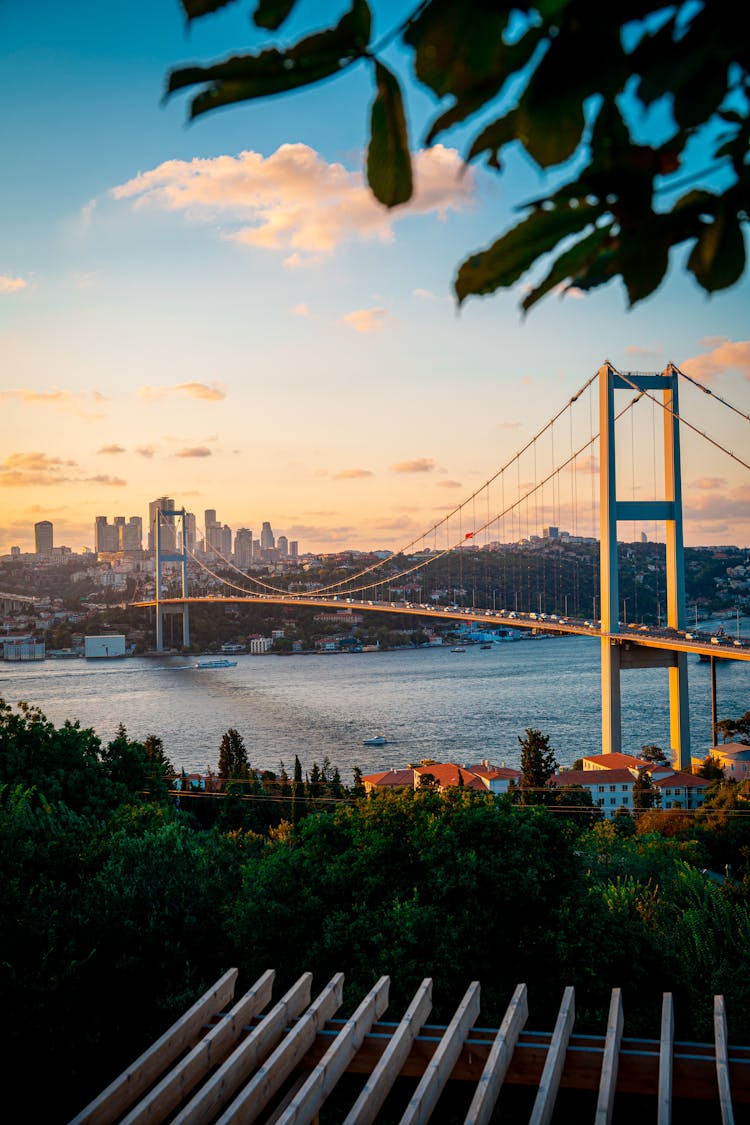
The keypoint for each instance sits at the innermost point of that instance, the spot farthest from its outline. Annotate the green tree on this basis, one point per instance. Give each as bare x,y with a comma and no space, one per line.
571,83
233,761
538,765
645,793
358,788
653,753
711,769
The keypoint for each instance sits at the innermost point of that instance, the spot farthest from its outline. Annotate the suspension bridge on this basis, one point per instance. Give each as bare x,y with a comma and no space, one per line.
611,454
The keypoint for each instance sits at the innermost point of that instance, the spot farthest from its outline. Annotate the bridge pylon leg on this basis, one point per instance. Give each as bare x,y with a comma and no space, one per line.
679,716
611,710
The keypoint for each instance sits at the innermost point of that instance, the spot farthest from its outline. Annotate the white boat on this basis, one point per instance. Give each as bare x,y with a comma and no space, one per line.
458,648
216,664
378,740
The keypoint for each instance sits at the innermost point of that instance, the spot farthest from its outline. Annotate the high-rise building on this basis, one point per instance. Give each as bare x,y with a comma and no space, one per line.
168,537
131,534
106,539
267,541
283,544
191,534
293,549
226,541
43,536
243,547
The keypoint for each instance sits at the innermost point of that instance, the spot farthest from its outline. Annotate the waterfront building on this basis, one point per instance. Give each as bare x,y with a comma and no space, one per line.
733,757
43,536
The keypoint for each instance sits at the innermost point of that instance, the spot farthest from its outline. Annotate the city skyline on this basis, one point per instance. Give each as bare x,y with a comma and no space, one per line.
220,311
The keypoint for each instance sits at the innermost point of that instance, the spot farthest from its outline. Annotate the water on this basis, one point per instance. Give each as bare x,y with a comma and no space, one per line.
426,702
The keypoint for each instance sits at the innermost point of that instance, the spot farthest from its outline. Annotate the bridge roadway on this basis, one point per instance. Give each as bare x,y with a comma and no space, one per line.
641,636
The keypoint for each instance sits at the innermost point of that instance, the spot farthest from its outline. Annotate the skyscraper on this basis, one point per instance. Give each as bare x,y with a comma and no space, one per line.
283,544
105,536
168,537
43,536
243,547
267,541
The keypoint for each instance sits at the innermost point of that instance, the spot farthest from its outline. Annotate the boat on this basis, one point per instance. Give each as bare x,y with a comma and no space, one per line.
216,664
377,740
486,644
458,648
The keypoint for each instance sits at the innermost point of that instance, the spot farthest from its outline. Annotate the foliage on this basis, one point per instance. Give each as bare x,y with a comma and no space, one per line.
645,793
653,753
538,765
570,83
736,730
233,761
711,769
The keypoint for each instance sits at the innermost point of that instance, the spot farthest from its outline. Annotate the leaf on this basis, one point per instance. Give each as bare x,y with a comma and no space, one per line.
456,50
272,13
494,137
570,263
718,258
194,9
503,263
388,157
245,77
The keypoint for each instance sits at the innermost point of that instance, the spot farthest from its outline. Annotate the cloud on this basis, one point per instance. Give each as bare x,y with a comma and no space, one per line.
645,353
706,484
104,478
731,508
23,469
59,400
294,200
209,392
301,309
145,450
11,284
194,451
449,484
418,465
727,355
508,425
585,463
365,320
351,474
112,449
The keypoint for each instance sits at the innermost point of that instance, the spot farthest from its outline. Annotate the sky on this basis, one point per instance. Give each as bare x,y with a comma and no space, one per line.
220,313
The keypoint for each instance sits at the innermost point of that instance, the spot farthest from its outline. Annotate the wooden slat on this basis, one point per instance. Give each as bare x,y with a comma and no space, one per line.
666,1052
425,1097
326,1074
134,1081
608,1081
252,1099
490,1083
550,1080
210,1052
378,1085
226,1081
722,1061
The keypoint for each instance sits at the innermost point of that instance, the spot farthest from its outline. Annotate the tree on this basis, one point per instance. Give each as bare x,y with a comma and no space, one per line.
711,769
653,753
538,765
571,83
645,794
233,761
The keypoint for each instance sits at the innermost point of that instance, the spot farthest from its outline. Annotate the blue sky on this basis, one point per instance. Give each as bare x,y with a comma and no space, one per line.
250,333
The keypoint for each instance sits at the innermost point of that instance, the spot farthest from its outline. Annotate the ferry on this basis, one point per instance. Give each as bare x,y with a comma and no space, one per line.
216,664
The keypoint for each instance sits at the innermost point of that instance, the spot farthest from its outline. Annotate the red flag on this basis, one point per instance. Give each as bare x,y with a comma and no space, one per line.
469,535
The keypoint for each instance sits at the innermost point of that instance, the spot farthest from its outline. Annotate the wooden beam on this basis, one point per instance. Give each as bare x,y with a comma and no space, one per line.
212,1050
224,1083
253,1098
378,1085
490,1083
308,1100
425,1097
608,1081
722,1061
550,1081
134,1081
666,1053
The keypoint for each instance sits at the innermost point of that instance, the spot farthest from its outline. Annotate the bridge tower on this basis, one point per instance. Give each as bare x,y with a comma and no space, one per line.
616,655
163,556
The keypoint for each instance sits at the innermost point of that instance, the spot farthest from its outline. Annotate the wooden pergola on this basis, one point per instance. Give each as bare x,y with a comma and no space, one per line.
279,1062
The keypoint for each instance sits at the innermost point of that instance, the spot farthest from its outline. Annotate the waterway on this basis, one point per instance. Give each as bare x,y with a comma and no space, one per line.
461,707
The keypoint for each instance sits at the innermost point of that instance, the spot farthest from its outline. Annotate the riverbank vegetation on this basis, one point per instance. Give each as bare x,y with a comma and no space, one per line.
121,903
